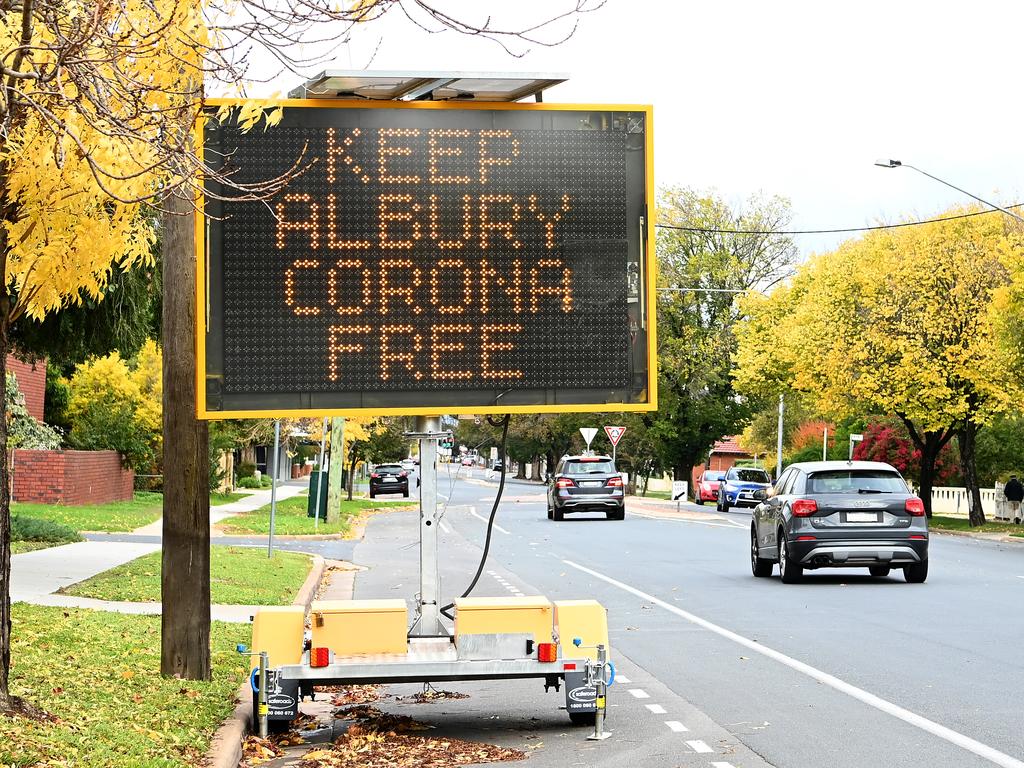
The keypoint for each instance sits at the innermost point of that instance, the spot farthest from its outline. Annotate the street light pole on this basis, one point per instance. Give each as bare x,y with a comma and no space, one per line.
898,164
778,455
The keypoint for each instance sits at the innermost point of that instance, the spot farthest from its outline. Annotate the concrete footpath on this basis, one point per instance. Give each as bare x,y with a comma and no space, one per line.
37,577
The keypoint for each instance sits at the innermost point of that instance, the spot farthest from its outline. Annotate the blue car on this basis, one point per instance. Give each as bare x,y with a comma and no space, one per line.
737,489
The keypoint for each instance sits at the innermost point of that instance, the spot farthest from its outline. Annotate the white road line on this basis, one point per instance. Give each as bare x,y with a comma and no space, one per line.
622,679
726,524
473,512
699,746
638,693
445,527
443,496
930,726
722,765
656,709
676,727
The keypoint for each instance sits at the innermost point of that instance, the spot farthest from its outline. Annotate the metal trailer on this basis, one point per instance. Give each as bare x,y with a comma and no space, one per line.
433,654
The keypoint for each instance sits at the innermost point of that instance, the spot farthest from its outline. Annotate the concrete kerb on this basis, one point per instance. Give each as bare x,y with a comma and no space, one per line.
226,746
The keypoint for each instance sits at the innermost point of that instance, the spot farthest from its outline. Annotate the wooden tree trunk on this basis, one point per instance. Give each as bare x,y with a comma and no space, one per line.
5,514
966,437
185,579
334,474
929,455
352,472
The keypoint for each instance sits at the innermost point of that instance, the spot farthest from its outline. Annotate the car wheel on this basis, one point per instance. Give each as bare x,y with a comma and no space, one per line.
791,572
583,718
619,515
916,573
758,565
725,506
373,494
718,504
879,570
551,514
557,514
405,493
698,500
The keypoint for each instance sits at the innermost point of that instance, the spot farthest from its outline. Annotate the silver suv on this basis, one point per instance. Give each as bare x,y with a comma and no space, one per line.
839,514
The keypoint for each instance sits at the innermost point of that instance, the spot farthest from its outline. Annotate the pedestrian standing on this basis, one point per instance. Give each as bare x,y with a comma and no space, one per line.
1014,493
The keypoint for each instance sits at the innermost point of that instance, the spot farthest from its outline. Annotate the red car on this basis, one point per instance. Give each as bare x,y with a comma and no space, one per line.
707,486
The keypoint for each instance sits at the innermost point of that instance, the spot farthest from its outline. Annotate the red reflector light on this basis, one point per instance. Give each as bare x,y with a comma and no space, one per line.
569,667
804,507
403,473
374,474
547,652
564,482
806,538
614,482
918,537
914,506
592,458
319,657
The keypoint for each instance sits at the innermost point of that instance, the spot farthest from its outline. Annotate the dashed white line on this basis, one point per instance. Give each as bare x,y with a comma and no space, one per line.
638,693
929,726
445,527
676,727
722,765
656,709
699,746
622,679
473,512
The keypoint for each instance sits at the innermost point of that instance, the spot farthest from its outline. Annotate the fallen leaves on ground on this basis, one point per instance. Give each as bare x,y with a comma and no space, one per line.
256,750
343,695
372,718
426,697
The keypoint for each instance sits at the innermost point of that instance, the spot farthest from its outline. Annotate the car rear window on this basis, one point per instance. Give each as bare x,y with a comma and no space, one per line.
390,468
589,468
751,475
856,481
711,477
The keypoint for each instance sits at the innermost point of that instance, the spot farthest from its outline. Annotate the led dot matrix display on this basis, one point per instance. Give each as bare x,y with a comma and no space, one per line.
457,259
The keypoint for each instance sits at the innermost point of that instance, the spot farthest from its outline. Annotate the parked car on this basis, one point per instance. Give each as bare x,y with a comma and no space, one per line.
467,461
586,484
410,464
737,488
837,514
389,478
707,486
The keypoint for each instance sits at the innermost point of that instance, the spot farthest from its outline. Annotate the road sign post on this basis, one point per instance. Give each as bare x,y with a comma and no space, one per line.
588,435
680,491
614,435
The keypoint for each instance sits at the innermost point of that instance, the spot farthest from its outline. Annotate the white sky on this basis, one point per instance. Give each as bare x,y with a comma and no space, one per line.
784,97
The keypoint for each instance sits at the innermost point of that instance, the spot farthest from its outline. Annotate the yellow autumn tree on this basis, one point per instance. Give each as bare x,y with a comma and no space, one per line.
899,321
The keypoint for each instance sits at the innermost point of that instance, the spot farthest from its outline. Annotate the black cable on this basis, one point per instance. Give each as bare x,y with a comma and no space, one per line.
828,231
494,511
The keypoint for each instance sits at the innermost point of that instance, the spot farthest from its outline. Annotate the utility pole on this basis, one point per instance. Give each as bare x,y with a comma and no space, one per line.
778,455
185,575
337,466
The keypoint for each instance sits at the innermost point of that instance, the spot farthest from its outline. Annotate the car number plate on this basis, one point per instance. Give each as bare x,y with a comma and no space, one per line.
591,484
390,479
861,517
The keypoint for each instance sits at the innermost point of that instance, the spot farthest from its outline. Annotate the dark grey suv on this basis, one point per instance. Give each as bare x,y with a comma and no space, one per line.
839,514
586,484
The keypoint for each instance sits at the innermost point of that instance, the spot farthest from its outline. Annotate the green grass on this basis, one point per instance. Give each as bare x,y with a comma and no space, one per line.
291,518
942,523
99,674
115,516
20,547
657,495
238,576
216,499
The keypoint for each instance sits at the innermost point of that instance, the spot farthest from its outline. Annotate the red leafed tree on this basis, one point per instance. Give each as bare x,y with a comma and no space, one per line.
888,441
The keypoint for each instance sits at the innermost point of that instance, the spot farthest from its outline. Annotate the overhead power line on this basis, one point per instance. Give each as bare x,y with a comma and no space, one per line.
827,231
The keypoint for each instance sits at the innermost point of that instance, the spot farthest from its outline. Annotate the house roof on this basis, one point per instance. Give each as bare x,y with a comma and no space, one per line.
729,445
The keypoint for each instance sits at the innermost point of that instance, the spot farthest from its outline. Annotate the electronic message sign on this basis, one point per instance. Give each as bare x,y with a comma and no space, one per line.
429,258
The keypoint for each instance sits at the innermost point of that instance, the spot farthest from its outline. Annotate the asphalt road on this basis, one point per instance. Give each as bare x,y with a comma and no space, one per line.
842,670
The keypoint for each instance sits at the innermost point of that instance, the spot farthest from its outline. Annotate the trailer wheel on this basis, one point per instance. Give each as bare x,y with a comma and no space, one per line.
583,718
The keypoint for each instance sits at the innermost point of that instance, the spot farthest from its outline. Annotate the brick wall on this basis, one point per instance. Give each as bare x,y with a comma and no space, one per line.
32,383
71,477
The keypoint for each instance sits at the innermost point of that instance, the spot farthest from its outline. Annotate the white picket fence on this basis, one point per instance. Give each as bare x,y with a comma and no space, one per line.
952,501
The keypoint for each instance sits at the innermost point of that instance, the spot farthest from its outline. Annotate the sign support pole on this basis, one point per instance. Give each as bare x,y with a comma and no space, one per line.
319,476
273,487
428,623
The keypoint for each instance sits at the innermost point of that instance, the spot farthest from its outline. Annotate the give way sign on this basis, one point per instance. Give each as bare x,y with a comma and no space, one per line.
614,434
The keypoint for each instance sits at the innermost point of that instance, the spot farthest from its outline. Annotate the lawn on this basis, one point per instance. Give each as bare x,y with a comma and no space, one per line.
238,576
942,523
216,499
115,516
20,547
291,518
99,674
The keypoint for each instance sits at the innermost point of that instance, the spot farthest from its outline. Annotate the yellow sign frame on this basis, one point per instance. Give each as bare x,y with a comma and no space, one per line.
202,266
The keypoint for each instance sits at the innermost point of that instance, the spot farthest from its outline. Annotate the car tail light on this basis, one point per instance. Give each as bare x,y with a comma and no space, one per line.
914,506
806,538
591,458
564,482
614,482
374,474
804,507
547,652
319,657
403,473
918,537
